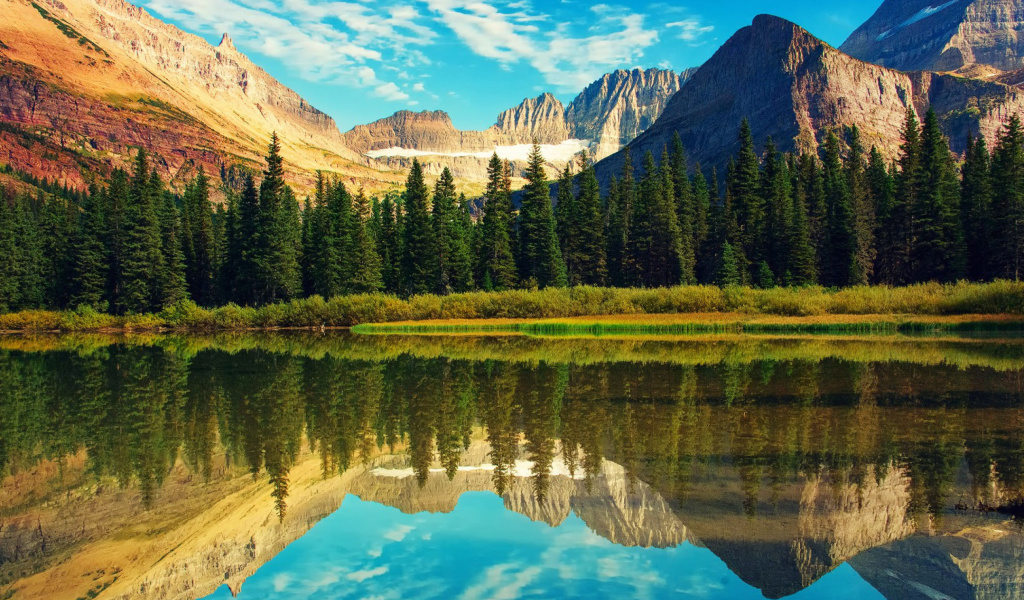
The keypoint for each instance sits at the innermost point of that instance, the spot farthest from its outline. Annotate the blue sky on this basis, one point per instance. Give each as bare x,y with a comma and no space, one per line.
361,60
483,551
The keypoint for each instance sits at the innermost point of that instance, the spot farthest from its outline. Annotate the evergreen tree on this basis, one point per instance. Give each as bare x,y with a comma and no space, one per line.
540,258
366,276
704,261
9,260
143,256
591,267
455,272
498,268
173,286
861,203
389,246
747,202
938,250
247,244
621,199
686,212
279,233
1008,201
881,186
839,261
727,272
90,265
802,261
897,225
976,209
778,205
197,240
419,248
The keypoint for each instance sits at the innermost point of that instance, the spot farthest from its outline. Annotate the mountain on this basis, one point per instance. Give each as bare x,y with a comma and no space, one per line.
795,88
83,82
933,35
609,113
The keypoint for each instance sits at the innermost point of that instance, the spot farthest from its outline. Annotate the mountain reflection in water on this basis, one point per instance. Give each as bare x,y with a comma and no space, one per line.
719,467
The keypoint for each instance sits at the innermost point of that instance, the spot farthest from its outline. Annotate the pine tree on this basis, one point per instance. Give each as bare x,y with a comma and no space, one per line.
938,250
9,260
143,256
90,265
197,239
621,199
455,273
57,224
498,267
839,261
565,217
897,225
748,204
686,211
976,209
366,276
173,287
279,234
727,273
389,246
863,208
591,265
640,236
419,263
802,261
778,205
540,258
705,253
1008,201
882,188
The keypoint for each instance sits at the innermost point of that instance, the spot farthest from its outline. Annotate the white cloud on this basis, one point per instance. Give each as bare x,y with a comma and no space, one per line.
336,43
511,35
418,87
390,91
690,30
361,576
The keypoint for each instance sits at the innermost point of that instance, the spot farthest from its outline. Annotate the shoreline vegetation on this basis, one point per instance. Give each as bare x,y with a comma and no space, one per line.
931,307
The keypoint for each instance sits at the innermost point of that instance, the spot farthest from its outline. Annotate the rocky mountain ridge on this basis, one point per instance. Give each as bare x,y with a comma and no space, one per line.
807,88
938,35
609,113
84,82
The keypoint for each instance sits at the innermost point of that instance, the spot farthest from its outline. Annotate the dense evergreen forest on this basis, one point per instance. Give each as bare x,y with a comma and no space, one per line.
844,218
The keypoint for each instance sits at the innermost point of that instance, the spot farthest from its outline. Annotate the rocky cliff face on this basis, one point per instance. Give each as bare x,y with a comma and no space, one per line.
541,119
617,108
939,35
611,112
806,88
84,81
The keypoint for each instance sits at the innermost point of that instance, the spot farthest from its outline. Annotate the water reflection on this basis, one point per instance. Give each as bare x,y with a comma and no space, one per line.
782,458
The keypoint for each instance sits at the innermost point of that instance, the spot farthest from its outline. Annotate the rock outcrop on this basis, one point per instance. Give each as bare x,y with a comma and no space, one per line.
941,35
805,88
617,108
85,81
610,113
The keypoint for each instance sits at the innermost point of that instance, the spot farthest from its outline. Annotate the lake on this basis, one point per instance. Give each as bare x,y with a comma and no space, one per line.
294,465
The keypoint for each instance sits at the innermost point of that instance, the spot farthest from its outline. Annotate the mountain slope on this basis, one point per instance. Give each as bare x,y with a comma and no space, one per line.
795,88
82,82
940,35
611,112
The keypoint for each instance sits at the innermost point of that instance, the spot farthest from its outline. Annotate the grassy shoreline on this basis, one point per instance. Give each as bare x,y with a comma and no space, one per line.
680,310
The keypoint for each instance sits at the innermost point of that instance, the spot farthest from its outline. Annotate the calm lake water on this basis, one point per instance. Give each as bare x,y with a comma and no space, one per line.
342,466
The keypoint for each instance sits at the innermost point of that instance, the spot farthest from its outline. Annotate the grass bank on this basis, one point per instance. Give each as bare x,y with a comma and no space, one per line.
951,307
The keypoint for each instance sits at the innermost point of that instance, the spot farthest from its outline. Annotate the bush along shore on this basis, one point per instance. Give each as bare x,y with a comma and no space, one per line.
697,309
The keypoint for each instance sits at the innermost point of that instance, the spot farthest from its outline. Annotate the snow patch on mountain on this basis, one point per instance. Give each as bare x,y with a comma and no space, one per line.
921,15
562,152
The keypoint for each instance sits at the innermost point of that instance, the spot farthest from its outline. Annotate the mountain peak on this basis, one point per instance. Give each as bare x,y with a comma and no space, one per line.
225,43
942,35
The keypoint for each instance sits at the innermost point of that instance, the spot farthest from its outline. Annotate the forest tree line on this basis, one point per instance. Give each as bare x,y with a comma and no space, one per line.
846,217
